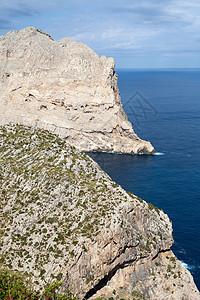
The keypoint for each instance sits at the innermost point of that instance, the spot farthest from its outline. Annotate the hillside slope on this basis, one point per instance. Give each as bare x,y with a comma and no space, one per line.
63,217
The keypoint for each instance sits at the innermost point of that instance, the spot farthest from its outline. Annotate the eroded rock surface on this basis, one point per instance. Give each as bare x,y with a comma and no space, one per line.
162,277
63,217
66,88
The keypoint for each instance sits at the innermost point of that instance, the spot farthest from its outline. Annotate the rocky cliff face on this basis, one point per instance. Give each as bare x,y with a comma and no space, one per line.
63,217
66,88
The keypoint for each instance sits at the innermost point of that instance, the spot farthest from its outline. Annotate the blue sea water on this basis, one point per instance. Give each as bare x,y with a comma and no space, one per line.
164,108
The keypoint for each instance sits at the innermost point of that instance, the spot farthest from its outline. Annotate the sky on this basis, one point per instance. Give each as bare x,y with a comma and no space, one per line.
138,34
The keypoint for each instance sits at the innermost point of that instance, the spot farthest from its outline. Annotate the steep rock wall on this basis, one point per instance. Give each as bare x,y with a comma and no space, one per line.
66,88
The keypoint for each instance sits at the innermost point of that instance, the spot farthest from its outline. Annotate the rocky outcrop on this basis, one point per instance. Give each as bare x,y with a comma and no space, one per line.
66,88
162,277
63,217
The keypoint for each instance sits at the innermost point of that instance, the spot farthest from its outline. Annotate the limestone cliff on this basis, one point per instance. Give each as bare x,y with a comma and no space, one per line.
66,88
63,217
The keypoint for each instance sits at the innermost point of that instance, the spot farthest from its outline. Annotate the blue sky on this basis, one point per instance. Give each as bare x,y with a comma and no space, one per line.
138,34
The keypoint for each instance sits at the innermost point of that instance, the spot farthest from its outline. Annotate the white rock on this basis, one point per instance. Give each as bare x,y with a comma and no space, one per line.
66,88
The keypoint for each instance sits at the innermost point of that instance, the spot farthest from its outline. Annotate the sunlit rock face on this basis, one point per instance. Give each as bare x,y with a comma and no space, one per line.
67,88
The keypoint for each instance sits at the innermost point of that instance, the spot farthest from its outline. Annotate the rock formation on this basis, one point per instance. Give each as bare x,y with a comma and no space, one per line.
63,217
66,88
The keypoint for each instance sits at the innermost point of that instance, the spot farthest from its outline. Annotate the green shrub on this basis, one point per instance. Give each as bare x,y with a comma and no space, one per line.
151,207
138,296
14,286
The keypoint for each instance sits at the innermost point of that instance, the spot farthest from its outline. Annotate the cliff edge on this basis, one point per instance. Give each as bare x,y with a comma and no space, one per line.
66,88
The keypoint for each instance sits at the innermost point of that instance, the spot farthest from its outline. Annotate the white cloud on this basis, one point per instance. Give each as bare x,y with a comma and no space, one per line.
112,33
126,46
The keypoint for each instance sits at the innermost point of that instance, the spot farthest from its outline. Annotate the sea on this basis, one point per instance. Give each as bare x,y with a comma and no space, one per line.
163,106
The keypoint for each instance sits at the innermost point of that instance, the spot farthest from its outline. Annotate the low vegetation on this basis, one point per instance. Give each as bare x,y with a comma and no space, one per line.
13,287
55,202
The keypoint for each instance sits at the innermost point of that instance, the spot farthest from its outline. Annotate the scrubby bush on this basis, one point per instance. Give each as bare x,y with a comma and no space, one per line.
15,287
